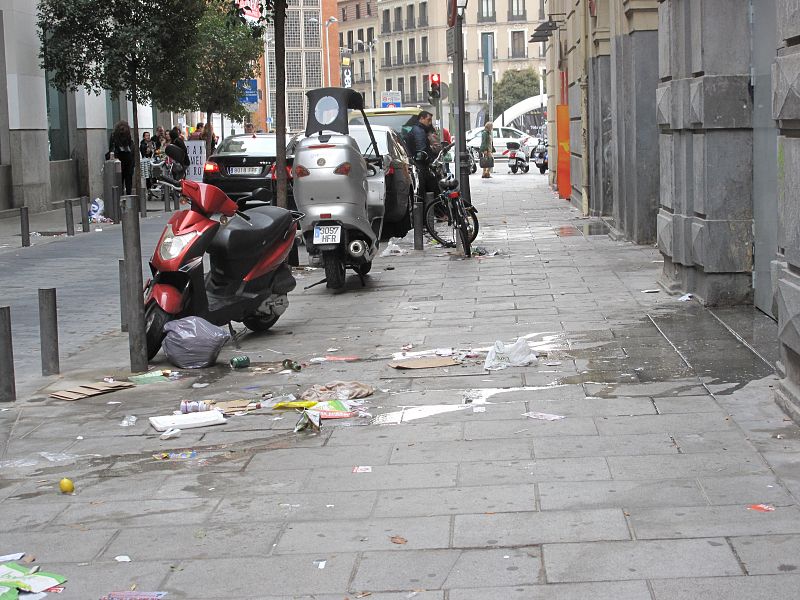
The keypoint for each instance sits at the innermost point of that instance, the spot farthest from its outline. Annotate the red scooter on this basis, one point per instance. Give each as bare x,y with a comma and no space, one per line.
249,278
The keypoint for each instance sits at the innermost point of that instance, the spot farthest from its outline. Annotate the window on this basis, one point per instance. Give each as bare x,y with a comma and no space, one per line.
401,87
350,39
295,112
292,29
486,10
388,85
311,37
399,55
398,18
512,134
412,49
362,67
518,44
410,24
516,10
385,26
360,37
341,39
412,89
541,10
113,111
310,2
425,84
387,54
424,48
487,45
369,9
370,34
423,14
358,11
344,13
313,69
57,122
294,69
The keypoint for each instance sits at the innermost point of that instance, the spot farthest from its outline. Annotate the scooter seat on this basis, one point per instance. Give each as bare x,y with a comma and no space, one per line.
240,238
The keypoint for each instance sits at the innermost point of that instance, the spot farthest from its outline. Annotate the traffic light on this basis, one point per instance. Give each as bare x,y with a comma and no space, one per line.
435,92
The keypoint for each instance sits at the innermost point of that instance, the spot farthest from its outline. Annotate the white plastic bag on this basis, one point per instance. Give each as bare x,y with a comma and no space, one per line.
193,342
502,356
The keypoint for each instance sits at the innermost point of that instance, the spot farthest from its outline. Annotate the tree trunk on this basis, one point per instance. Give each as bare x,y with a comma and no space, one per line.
280,102
208,133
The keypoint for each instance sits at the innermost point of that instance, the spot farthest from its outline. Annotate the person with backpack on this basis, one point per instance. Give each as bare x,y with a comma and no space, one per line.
418,141
121,144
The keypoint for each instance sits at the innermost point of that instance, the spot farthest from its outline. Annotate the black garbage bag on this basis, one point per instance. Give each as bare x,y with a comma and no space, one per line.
193,342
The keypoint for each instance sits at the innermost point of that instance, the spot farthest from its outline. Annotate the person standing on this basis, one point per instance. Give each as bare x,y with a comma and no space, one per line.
121,144
487,150
147,150
197,134
418,141
159,140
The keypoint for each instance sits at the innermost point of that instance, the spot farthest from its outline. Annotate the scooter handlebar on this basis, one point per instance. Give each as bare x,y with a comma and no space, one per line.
167,179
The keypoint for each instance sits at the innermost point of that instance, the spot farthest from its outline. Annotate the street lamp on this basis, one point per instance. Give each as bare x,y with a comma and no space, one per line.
369,46
328,22
267,42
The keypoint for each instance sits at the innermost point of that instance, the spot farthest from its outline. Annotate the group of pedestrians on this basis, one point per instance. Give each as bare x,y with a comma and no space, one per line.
151,148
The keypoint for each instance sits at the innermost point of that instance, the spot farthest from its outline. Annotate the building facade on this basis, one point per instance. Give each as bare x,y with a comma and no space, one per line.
358,31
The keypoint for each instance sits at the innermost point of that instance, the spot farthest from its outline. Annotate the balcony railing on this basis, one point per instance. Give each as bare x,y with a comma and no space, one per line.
385,27
518,55
386,63
423,21
487,18
398,26
398,60
410,23
423,58
411,58
515,17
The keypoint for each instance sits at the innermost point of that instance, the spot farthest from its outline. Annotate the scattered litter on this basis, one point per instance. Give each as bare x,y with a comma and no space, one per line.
199,386
187,421
520,431
193,342
294,404
113,402
66,486
478,409
392,249
322,359
502,356
134,595
190,406
333,409
239,362
187,455
308,420
364,595
320,563
685,298
156,376
122,558
337,390
424,362
650,291
14,576
543,416
291,365
240,407
554,363
332,350
761,508
170,434
9,557
396,539
89,390
362,469
108,379
128,421
407,347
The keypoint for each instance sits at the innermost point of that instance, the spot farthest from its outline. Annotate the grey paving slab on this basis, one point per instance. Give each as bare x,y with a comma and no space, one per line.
288,575
529,528
765,587
606,590
712,441
604,445
712,521
688,404
408,432
460,451
768,554
204,484
81,544
446,501
254,506
18,516
90,580
746,489
383,477
705,464
125,513
671,423
577,495
548,469
365,534
644,559
526,427
595,407
305,458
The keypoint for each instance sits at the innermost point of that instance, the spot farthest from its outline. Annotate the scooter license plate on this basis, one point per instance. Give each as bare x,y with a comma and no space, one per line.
327,234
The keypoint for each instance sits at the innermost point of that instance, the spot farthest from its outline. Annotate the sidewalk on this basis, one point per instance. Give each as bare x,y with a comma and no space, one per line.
641,492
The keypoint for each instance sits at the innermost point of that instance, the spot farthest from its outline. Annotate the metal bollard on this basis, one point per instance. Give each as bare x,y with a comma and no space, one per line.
143,202
70,216
132,249
85,214
166,195
8,389
116,211
25,226
48,331
123,298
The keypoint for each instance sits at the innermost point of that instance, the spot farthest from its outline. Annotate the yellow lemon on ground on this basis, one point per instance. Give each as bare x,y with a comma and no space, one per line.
66,486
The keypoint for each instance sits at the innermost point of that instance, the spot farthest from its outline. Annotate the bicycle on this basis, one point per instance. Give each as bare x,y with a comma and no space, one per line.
447,219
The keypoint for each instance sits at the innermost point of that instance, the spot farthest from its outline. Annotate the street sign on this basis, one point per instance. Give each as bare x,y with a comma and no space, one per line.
248,91
391,104
391,99
451,42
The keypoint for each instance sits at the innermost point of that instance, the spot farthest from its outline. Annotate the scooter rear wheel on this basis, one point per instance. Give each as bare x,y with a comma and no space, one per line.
155,318
364,269
514,169
334,270
258,323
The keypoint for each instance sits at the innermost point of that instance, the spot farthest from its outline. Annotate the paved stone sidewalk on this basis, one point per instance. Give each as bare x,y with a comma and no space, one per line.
640,492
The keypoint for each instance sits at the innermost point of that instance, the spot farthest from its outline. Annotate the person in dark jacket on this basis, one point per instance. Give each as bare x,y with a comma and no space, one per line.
419,141
121,144
176,140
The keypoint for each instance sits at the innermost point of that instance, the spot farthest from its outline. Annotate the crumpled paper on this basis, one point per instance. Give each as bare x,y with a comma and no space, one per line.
338,390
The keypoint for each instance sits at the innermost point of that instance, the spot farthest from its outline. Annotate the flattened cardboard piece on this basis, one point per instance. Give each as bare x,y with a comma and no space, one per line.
425,362
88,390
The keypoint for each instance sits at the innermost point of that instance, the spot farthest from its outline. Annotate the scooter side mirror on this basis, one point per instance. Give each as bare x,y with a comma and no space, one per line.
261,194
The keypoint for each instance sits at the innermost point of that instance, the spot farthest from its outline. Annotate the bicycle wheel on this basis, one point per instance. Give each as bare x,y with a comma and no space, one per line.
461,228
439,224
472,223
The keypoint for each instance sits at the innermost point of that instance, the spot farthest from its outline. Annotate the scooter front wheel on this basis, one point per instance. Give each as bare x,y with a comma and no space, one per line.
155,318
260,323
334,270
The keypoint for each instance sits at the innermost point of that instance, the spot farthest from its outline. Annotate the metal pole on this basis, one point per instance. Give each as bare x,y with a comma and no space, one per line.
372,73
85,214
143,202
123,298
48,331
70,216
462,163
266,76
8,389
166,195
419,216
132,249
25,226
328,51
114,209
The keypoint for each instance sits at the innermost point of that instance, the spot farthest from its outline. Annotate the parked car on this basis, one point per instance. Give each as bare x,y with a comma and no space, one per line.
500,136
401,120
243,163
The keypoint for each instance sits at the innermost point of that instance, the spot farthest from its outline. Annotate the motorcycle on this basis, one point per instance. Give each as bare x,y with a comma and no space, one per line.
540,157
249,278
341,191
517,157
